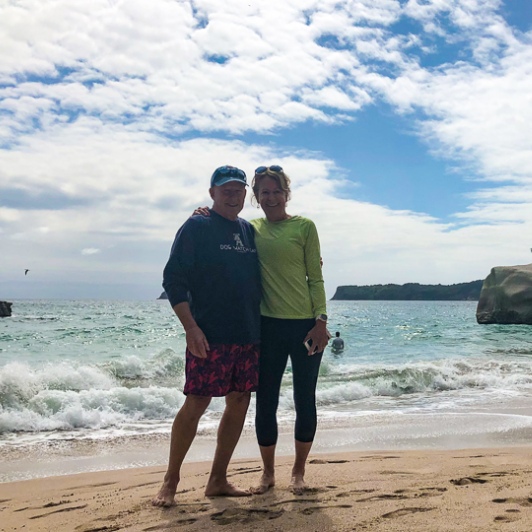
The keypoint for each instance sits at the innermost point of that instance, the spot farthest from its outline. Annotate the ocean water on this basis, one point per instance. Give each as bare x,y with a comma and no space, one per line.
96,384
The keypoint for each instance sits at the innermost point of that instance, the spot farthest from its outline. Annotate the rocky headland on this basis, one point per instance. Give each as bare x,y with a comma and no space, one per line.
410,292
506,296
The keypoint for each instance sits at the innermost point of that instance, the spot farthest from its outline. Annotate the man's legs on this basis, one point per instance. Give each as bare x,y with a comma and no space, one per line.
231,424
183,432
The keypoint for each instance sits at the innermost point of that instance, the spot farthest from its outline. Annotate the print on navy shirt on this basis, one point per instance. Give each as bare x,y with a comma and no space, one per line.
239,246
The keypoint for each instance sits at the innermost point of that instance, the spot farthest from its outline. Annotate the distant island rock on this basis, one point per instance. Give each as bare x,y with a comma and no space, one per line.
163,296
506,296
410,292
5,309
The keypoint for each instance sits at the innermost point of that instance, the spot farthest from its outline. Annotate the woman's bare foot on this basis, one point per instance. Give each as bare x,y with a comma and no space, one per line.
298,485
224,489
267,481
166,495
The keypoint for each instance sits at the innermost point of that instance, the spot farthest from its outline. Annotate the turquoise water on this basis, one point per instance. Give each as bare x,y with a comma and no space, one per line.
412,374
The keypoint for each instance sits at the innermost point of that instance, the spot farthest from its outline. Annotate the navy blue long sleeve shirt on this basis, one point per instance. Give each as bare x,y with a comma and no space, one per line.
214,266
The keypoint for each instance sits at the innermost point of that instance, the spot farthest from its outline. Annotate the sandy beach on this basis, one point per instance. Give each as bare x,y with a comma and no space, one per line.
467,490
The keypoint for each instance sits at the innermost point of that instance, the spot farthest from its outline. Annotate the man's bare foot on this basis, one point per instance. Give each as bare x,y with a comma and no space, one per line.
267,481
224,489
166,495
298,485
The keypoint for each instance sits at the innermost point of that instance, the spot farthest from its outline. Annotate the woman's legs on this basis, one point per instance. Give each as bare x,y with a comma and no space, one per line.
279,339
298,470
267,480
305,371
273,359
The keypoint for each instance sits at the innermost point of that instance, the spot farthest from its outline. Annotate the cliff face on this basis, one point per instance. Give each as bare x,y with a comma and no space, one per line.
411,292
5,309
506,296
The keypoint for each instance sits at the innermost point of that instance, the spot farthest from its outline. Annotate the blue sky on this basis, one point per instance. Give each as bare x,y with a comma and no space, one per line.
404,125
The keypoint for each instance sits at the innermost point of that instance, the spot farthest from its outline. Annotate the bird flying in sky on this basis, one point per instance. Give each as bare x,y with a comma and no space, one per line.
26,271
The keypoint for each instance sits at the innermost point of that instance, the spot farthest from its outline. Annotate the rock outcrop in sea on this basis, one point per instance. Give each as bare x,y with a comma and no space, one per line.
506,296
5,309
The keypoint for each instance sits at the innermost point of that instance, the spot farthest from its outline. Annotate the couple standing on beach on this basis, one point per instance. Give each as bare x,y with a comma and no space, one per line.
249,295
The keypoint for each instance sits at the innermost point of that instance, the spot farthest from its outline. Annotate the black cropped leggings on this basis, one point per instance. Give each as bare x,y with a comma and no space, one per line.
281,339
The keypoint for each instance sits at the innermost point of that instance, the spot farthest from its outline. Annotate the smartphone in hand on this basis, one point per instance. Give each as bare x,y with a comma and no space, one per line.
308,344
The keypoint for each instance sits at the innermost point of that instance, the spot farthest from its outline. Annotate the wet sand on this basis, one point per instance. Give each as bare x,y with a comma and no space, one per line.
488,489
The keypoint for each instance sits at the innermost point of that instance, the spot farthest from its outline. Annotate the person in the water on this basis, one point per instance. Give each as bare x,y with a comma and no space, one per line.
337,345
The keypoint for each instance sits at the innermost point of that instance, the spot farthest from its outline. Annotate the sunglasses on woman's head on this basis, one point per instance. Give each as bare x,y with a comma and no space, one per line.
273,168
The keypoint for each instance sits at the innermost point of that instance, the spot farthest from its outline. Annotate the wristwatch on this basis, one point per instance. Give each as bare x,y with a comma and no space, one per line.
322,317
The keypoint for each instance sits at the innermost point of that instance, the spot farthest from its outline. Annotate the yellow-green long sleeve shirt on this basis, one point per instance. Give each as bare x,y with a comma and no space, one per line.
289,257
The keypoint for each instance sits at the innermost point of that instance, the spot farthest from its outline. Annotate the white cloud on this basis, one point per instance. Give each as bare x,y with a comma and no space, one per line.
100,102
478,117
155,66
142,191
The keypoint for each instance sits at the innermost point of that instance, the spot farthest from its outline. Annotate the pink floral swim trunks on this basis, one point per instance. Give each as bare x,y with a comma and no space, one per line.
227,368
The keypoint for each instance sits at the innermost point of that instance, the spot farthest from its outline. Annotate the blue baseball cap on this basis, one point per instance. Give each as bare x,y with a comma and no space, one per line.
227,173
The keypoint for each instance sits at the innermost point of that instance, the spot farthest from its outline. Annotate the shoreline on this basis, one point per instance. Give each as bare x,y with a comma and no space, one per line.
487,489
443,432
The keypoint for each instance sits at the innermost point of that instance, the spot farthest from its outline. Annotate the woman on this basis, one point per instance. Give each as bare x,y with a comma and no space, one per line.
293,320
293,312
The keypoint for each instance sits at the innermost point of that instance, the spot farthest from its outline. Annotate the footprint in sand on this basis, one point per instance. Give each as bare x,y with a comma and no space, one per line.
522,501
286,501
311,509
467,480
170,526
106,528
377,457
384,496
244,515
504,519
495,474
406,494
321,461
405,511
422,492
69,509
50,504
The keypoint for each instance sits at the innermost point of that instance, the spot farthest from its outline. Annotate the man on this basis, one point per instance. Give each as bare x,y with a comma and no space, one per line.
213,284
337,344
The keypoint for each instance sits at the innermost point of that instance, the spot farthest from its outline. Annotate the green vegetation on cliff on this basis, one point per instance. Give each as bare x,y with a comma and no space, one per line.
411,292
